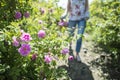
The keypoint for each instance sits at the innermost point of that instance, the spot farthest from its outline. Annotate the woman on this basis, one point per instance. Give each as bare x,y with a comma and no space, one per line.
78,11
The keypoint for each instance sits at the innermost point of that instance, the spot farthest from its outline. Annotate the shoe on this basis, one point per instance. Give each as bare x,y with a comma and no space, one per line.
78,58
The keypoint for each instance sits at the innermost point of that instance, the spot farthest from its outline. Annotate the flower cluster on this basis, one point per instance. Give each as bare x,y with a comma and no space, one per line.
23,41
63,23
41,34
34,56
18,15
40,21
15,41
24,47
42,11
47,58
27,14
24,50
65,51
70,58
25,37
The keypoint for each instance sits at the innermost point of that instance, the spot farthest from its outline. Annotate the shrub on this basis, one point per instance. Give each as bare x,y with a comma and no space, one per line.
30,49
105,25
7,11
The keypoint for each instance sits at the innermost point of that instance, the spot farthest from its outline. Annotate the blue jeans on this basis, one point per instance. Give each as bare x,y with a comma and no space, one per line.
81,24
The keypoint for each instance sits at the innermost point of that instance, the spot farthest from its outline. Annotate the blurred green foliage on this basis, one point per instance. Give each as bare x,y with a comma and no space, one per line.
105,25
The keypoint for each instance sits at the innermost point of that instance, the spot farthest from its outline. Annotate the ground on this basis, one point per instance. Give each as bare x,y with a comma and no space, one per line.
86,70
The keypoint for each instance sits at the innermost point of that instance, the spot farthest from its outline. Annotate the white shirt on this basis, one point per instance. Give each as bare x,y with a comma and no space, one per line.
77,10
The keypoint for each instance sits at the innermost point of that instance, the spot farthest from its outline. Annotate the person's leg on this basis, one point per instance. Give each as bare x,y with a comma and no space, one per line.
81,28
71,26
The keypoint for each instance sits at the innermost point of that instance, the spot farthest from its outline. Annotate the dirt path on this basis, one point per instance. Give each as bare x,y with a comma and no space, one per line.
84,70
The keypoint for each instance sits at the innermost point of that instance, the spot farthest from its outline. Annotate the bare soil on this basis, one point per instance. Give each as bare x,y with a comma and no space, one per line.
87,69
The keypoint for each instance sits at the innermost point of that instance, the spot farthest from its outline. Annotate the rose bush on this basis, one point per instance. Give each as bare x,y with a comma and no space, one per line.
32,45
9,13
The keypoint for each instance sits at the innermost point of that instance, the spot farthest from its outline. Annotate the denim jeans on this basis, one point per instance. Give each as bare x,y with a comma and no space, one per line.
80,24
